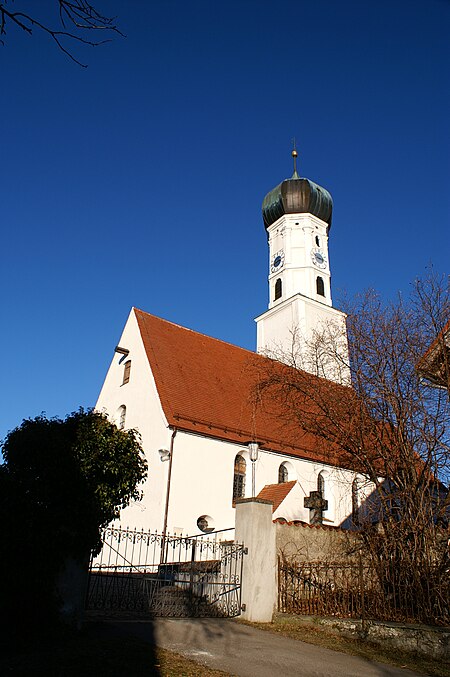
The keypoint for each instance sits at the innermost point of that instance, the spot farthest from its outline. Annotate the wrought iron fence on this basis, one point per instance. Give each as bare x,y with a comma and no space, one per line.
166,575
354,590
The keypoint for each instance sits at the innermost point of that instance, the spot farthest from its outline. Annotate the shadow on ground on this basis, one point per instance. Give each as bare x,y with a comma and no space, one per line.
100,648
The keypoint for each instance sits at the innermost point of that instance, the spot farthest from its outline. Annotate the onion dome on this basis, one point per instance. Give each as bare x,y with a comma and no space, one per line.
297,196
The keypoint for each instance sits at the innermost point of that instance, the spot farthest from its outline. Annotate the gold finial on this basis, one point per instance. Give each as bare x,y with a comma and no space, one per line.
294,157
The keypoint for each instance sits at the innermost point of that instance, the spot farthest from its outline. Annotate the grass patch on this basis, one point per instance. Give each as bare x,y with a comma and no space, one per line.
82,655
313,633
174,664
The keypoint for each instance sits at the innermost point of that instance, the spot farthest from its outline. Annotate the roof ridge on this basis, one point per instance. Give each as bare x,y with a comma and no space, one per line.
199,333
277,484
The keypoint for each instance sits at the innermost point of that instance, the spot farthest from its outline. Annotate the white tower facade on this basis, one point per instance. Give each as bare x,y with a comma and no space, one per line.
301,326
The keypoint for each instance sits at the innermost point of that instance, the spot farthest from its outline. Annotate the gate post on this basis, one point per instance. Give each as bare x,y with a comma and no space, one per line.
255,529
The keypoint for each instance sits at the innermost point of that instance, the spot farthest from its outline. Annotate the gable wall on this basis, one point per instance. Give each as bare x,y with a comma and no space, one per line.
144,413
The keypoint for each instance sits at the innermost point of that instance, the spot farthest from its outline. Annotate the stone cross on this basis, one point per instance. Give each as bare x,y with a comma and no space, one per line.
317,505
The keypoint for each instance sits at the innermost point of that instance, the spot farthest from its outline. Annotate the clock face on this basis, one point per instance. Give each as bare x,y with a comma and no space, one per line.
277,261
318,258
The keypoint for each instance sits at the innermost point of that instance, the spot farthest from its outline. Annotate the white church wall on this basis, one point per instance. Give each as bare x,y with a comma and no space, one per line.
202,483
143,413
338,483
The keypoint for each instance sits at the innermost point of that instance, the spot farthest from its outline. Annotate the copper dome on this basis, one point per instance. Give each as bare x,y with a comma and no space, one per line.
297,196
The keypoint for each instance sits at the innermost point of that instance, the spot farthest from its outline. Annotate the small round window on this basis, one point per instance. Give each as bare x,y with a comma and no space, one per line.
205,523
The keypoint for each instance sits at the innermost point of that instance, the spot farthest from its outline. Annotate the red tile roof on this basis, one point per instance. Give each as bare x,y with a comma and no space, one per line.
206,386
276,492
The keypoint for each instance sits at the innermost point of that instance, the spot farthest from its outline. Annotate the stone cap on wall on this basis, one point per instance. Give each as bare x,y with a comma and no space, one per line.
253,500
300,523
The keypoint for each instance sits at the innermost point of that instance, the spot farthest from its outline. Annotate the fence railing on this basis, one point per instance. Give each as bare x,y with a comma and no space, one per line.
139,551
168,575
355,590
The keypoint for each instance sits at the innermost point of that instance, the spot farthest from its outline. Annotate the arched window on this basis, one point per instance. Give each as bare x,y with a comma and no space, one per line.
317,241
239,477
119,418
126,372
321,484
283,474
355,501
278,289
320,287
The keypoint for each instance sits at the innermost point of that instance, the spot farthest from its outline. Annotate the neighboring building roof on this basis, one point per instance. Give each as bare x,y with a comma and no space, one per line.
435,364
276,493
207,386
297,196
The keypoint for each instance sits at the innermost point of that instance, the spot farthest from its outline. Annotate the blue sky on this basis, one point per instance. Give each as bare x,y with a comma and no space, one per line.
139,180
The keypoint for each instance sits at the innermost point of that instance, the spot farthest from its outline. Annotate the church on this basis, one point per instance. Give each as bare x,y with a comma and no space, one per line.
207,437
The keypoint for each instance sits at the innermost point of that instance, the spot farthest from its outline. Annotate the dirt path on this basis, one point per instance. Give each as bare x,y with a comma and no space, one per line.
248,652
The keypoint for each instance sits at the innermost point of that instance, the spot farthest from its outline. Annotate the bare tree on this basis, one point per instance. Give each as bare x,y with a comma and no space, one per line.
77,19
391,427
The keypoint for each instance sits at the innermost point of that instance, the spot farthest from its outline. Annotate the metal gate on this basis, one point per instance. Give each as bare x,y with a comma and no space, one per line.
143,573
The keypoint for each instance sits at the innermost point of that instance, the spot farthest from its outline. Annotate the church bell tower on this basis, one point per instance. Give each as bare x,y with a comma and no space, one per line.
297,217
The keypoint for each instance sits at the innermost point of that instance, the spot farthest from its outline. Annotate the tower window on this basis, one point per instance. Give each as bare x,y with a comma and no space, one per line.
278,289
317,241
320,287
239,477
126,372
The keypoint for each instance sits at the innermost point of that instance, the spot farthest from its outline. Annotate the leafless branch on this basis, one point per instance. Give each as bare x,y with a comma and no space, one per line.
80,14
389,426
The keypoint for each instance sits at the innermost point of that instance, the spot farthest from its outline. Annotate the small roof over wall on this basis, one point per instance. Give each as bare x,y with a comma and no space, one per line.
276,493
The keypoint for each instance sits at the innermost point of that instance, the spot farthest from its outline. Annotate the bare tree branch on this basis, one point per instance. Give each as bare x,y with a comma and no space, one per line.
390,426
82,15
